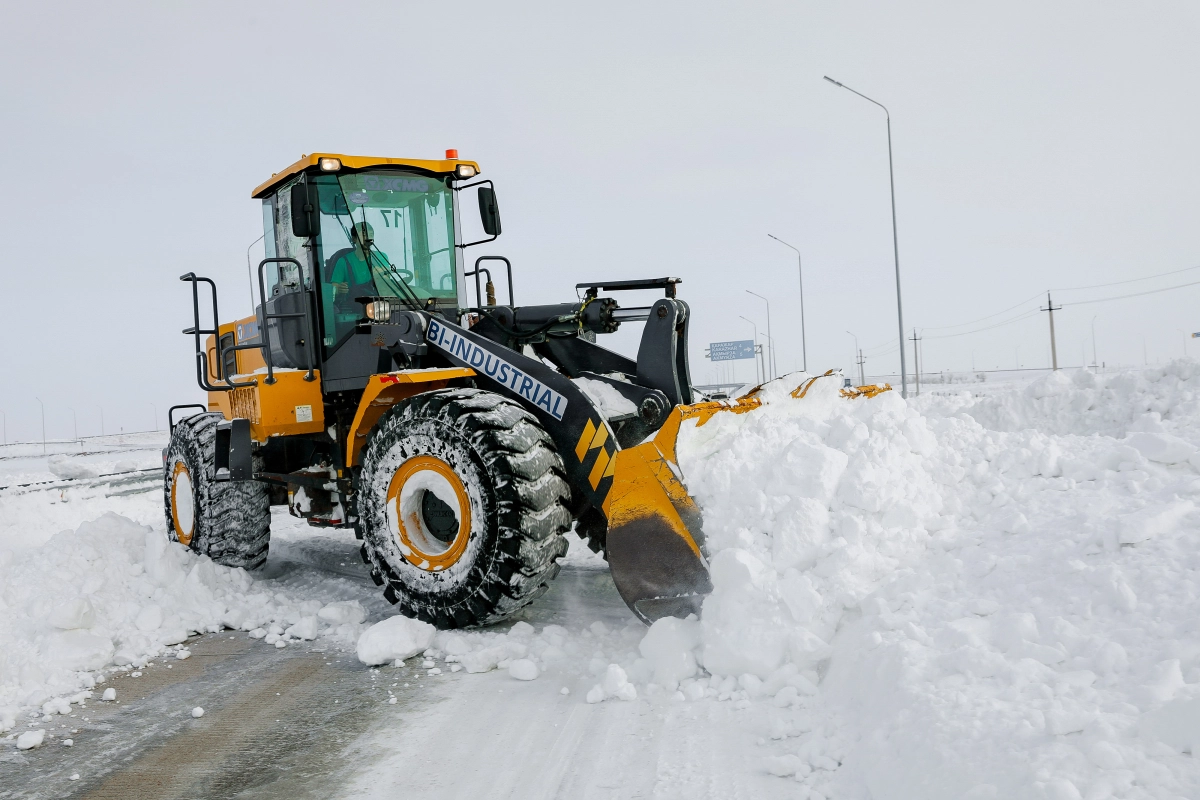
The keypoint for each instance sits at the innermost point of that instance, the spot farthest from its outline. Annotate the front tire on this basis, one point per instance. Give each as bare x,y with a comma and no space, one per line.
228,521
461,503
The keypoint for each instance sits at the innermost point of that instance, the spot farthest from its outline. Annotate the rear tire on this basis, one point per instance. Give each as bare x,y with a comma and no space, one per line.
461,504
228,521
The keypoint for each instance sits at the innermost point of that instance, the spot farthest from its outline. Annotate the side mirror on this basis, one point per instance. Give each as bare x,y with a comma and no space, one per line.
489,212
306,217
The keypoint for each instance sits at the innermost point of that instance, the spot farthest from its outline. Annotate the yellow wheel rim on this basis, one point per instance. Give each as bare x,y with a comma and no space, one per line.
421,546
183,504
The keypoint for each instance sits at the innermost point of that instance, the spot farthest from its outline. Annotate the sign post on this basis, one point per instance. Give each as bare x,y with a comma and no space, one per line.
732,351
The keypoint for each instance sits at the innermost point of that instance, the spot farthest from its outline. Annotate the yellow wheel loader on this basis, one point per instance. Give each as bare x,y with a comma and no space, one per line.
379,388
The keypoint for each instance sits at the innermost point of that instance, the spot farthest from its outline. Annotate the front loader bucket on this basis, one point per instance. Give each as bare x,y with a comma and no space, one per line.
655,544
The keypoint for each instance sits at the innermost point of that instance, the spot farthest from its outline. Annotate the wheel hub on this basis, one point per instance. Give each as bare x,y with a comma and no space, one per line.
429,513
183,506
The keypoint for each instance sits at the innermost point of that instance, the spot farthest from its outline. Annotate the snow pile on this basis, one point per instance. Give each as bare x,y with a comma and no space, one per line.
808,505
922,606
115,593
1157,400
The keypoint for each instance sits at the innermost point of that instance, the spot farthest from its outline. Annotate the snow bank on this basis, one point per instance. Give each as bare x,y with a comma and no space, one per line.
982,597
1160,399
114,593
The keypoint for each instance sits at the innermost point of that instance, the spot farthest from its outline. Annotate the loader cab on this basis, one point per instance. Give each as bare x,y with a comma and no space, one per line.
362,227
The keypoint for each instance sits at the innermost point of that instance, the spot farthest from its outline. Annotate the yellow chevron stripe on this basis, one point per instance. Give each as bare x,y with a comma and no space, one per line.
600,437
602,461
581,448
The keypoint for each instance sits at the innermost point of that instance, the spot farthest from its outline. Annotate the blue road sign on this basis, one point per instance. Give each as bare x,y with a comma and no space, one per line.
731,351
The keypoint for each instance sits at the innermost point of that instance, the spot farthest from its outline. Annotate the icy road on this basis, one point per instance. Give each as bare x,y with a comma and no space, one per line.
986,592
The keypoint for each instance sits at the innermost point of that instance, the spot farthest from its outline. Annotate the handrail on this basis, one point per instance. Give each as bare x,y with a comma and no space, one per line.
478,269
202,370
171,423
265,344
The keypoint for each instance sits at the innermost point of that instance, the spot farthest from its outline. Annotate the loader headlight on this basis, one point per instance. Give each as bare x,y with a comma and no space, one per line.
330,164
379,310
464,171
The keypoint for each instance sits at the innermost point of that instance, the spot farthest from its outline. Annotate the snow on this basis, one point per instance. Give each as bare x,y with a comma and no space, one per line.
114,593
62,466
197,712
983,594
609,402
31,739
394,638
523,669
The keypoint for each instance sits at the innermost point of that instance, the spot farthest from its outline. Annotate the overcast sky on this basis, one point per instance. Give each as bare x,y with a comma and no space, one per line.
1037,146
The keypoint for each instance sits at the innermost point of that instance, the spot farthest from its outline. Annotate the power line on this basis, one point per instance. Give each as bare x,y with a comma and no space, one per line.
1070,289
989,316
1131,280
1135,294
1025,315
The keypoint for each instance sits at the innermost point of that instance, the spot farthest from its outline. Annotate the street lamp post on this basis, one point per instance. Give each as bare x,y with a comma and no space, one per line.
800,271
895,240
759,359
75,424
770,338
1095,362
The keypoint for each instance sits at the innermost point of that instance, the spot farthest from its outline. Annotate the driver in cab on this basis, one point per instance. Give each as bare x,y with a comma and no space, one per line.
350,273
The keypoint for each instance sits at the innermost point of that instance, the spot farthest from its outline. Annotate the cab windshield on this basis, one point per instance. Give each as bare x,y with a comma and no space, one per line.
384,233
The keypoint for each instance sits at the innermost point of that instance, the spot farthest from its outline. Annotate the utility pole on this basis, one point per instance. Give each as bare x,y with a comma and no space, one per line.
858,359
862,377
1053,347
916,361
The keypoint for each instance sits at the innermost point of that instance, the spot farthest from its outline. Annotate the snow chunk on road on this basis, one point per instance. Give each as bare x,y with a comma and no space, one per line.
669,647
616,684
523,669
343,612
397,637
30,739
